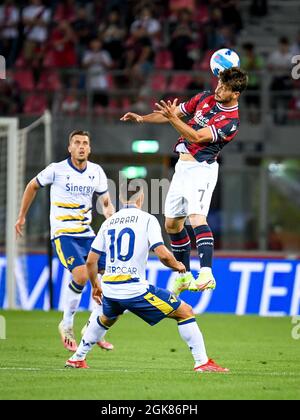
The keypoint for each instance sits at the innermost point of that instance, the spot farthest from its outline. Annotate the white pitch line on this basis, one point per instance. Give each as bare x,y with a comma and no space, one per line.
231,373
68,369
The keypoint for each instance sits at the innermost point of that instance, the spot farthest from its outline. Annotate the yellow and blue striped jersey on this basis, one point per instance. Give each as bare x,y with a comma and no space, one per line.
71,196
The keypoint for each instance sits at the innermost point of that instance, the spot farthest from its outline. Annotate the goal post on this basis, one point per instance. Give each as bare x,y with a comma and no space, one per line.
14,144
12,125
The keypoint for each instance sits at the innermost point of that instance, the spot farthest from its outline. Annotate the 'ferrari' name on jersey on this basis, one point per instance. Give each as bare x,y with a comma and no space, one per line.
124,220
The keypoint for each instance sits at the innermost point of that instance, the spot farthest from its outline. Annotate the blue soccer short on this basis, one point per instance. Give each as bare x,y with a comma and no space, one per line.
73,251
153,306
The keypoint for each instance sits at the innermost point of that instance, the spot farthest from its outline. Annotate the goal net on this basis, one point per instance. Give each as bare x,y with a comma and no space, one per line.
23,153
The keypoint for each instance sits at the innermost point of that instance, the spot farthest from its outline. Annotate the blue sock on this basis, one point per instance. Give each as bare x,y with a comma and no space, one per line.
205,245
181,247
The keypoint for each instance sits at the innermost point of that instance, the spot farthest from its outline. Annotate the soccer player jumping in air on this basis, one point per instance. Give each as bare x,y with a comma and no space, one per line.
73,183
213,123
125,238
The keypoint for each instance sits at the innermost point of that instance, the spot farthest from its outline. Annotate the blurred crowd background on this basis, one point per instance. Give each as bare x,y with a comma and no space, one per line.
106,56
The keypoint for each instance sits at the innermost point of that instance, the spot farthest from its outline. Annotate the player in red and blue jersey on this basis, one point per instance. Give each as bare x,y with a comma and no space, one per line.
214,122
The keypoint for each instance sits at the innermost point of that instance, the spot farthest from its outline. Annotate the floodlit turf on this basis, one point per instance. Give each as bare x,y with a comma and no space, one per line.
151,362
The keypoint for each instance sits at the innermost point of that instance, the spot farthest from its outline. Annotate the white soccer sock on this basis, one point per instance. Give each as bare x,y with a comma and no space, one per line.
71,303
205,270
94,333
97,311
191,334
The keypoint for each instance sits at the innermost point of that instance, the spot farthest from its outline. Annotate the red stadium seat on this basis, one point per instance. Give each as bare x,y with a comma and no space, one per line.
179,82
20,62
204,62
158,82
163,60
49,59
49,80
24,79
35,104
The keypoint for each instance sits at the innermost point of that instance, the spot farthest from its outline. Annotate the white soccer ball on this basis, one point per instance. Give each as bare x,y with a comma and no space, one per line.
223,59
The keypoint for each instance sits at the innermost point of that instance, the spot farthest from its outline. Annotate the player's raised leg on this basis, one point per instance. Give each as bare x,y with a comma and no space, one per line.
181,247
205,248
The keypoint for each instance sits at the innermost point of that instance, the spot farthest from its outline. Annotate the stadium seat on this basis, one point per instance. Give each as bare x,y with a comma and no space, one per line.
179,82
163,60
35,104
20,62
49,59
24,78
49,80
204,63
158,82
202,14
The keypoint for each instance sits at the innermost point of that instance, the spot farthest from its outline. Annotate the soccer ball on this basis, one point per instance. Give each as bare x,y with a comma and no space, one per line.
223,59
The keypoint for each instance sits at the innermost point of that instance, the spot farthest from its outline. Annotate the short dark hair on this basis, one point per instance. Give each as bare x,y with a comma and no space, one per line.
130,190
79,133
235,78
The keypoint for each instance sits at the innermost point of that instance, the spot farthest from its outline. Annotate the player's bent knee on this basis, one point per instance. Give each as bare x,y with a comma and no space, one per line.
107,322
173,226
187,309
80,275
183,312
82,280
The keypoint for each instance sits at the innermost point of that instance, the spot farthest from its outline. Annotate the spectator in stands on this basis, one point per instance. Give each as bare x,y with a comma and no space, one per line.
176,5
36,18
181,41
252,63
112,32
97,61
84,31
231,15
9,20
10,102
280,62
62,42
71,102
149,24
139,56
65,11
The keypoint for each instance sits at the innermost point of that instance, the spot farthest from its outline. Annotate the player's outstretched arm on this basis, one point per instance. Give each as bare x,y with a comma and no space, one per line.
27,199
154,117
168,259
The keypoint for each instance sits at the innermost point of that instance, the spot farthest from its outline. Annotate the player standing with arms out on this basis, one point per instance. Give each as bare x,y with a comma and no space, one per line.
213,123
73,182
125,238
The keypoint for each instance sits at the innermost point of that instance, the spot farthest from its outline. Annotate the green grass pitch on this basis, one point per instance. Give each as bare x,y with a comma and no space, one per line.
151,363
